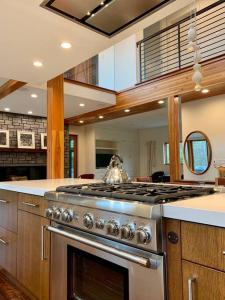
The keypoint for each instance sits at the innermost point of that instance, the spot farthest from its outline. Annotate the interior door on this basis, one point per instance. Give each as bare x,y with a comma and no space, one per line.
73,155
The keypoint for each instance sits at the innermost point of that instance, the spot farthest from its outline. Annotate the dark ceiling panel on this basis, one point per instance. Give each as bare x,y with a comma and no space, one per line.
75,8
121,12
105,16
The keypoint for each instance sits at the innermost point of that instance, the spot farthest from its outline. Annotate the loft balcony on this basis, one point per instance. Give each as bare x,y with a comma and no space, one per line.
158,54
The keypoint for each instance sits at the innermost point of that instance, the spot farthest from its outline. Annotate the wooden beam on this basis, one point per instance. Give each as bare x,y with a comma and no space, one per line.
9,87
55,131
112,112
177,83
174,137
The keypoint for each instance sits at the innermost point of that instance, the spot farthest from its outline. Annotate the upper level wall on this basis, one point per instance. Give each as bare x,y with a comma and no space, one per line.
117,65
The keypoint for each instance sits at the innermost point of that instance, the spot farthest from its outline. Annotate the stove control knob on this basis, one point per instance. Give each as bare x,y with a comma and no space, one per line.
144,235
113,227
88,220
100,224
128,231
49,212
57,214
67,216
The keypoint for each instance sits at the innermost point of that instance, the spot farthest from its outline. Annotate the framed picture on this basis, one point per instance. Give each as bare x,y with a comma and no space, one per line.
26,140
43,140
4,138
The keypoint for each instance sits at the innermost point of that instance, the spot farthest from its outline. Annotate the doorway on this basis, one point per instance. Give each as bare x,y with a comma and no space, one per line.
73,150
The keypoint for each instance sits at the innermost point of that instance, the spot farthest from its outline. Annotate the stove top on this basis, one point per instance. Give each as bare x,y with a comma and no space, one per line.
150,193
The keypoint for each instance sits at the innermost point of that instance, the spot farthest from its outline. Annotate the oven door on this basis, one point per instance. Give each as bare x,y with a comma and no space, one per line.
88,267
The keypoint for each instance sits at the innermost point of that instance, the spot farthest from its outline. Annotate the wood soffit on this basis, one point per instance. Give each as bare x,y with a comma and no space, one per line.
9,87
144,97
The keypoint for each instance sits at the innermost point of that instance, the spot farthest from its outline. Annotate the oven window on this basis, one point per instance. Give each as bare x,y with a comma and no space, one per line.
93,278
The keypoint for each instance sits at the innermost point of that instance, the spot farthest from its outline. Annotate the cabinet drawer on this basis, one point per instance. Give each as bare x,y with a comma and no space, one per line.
32,204
202,282
8,245
8,210
203,244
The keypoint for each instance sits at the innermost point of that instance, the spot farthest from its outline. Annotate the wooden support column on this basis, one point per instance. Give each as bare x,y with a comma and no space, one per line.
174,137
55,131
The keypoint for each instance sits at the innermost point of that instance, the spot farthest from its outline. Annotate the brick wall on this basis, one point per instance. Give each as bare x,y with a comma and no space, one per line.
38,125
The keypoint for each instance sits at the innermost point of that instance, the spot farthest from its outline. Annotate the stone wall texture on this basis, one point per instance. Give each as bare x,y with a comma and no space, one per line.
38,125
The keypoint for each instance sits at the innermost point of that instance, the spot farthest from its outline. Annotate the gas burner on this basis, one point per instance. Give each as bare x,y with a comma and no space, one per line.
151,193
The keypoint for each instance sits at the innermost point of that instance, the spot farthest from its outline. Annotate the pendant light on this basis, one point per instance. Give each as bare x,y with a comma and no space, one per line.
194,47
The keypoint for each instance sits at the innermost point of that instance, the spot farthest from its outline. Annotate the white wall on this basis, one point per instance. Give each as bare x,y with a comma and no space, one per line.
208,116
117,65
160,136
125,63
106,68
86,148
128,148
127,142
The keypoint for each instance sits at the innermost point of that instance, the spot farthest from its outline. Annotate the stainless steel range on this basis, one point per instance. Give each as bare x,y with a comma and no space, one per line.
109,240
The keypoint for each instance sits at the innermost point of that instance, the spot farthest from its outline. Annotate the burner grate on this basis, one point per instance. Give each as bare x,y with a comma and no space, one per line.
150,193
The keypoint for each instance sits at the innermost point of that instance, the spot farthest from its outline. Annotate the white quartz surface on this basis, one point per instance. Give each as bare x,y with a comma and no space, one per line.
39,187
205,209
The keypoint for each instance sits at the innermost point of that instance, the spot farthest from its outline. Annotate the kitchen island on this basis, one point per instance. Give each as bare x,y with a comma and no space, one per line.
194,234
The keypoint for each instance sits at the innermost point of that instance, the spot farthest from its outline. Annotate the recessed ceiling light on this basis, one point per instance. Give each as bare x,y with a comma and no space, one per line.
161,101
66,45
6,109
81,121
34,95
205,91
30,112
93,15
101,117
127,110
102,3
38,64
88,13
82,104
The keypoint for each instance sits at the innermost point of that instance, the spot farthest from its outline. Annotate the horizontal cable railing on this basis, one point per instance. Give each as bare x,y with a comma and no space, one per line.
166,51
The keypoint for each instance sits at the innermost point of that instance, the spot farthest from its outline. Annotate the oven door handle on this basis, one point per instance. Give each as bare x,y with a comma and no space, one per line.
145,262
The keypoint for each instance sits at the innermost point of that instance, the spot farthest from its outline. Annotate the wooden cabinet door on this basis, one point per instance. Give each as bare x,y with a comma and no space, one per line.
8,241
203,244
8,210
32,271
207,284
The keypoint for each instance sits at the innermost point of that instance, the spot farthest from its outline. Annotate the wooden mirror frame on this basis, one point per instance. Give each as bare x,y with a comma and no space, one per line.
209,152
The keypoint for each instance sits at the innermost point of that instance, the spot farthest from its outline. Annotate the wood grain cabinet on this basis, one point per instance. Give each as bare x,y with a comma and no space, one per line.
32,269
202,283
8,210
198,258
204,245
8,242
21,251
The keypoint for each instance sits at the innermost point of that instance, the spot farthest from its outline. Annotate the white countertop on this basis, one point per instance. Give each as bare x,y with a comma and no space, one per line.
39,187
208,210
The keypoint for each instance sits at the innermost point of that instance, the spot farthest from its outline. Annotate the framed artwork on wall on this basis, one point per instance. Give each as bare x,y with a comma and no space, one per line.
43,140
26,139
4,138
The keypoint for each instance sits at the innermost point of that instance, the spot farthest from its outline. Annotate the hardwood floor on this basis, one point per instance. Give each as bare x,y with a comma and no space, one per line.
8,291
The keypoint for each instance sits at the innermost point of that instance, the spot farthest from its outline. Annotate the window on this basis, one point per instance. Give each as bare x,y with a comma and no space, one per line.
166,154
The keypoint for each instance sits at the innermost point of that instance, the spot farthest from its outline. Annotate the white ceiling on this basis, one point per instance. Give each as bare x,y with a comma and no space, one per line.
29,32
21,102
150,119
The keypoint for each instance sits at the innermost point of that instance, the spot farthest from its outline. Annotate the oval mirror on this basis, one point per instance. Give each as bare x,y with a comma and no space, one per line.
197,152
